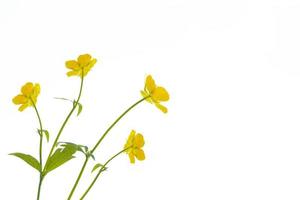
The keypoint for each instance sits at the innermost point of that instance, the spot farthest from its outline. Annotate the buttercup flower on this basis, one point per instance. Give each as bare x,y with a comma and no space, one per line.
155,94
28,96
134,145
83,64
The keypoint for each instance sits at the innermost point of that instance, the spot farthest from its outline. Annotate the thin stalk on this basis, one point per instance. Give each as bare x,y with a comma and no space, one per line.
40,150
115,122
66,120
79,177
99,141
100,171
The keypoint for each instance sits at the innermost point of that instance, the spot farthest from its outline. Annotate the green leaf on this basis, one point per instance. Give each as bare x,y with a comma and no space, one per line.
92,156
79,109
97,166
78,147
28,159
46,132
63,154
60,98
60,157
74,104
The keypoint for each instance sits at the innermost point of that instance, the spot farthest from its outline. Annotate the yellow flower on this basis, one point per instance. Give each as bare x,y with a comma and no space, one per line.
134,145
83,64
28,96
155,94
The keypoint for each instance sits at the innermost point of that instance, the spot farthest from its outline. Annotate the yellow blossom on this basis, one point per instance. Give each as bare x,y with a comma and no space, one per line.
155,94
134,145
83,64
28,96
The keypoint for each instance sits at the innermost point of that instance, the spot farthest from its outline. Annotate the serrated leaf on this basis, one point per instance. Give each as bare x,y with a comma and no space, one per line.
60,157
97,166
78,147
86,149
28,159
63,154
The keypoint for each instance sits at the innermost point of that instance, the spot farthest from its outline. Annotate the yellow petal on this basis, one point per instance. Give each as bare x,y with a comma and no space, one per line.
88,67
73,73
72,64
131,158
131,135
130,140
19,99
139,140
92,63
150,84
160,94
37,89
22,107
86,70
36,92
84,59
27,89
161,107
145,95
139,154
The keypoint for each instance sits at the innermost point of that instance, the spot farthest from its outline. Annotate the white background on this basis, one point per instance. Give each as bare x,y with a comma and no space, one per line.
232,69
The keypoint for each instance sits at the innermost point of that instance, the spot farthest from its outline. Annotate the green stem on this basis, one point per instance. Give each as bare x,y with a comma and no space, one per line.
40,186
115,122
66,120
100,171
78,178
99,141
40,150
